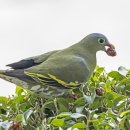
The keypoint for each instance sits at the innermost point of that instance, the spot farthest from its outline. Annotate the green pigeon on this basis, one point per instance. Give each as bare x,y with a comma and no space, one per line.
59,70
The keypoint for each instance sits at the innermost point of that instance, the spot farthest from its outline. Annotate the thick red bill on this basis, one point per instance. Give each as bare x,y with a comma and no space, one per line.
111,50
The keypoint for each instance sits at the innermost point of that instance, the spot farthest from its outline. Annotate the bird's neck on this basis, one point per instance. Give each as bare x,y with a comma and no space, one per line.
84,49
90,46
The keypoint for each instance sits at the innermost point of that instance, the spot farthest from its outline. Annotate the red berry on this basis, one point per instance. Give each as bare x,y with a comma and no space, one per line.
111,52
100,91
15,126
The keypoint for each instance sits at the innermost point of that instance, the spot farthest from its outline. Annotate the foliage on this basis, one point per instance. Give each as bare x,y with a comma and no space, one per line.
103,103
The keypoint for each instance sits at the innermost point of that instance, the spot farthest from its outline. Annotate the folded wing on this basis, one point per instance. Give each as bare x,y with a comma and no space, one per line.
32,61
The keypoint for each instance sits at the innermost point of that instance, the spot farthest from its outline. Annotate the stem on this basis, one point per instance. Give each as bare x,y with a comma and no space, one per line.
55,103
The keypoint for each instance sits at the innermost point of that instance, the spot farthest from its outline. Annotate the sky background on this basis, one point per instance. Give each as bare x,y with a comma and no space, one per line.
32,27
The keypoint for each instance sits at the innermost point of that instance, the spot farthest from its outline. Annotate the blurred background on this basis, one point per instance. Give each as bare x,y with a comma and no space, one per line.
32,27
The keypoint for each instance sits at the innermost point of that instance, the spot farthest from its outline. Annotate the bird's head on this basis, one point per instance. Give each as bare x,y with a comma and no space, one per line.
100,42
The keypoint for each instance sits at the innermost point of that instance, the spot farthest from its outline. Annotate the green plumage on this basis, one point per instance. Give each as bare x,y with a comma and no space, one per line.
61,69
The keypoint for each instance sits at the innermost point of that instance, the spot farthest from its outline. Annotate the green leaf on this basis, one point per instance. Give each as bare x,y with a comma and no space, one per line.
19,90
111,95
90,99
116,75
58,122
19,98
19,118
122,70
80,109
124,81
77,115
64,114
27,114
63,104
100,69
123,123
119,100
79,125
4,101
49,105
80,102
124,113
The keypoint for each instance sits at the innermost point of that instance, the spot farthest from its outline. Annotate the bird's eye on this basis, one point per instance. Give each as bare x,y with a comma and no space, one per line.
101,41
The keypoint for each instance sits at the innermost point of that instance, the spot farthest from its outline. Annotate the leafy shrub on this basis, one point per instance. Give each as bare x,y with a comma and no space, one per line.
103,103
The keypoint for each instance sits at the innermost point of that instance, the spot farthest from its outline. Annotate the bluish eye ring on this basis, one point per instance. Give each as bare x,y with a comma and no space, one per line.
101,40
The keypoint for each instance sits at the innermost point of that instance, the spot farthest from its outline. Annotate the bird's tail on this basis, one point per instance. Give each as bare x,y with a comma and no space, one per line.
2,71
11,79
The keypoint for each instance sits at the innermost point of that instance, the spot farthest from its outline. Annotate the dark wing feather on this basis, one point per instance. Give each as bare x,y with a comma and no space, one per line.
19,74
32,61
23,64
